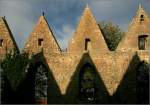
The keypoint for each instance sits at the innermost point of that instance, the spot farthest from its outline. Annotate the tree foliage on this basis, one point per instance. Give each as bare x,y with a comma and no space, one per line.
14,67
112,34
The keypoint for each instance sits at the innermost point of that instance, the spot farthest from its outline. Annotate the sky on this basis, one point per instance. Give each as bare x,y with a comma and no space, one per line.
63,15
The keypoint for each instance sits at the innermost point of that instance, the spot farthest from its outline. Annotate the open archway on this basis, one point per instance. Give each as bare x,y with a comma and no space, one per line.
39,86
33,88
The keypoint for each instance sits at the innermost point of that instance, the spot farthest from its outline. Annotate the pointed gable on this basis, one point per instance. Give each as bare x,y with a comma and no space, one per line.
87,35
139,27
7,42
41,39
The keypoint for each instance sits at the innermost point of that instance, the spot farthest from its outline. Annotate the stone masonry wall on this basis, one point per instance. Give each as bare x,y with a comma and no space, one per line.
8,42
115,70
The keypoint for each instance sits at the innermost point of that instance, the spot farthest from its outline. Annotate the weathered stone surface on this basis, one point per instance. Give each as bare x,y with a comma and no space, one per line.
8,42
114,68
135,29
41,34
87,29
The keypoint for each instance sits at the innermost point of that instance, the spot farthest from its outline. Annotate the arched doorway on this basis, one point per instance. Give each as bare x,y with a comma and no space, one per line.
87,83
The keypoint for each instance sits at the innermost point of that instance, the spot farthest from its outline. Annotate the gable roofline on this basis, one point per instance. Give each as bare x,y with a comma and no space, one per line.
133,21
52,32
138,11
87,19
141,8
10,34
42,16
88,8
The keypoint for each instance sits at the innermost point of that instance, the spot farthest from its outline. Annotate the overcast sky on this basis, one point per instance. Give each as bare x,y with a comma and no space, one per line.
63,15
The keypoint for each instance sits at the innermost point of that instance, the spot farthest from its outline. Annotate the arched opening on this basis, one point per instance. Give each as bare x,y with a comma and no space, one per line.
39,86
87,83
33,89
40,83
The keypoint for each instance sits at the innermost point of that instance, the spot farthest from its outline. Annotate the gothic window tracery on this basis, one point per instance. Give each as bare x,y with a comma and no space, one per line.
41,83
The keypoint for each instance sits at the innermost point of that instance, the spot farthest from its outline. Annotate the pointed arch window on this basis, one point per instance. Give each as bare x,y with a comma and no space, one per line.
87,83
41,84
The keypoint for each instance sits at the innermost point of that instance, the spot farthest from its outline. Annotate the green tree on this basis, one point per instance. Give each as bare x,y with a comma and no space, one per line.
14,68
112,34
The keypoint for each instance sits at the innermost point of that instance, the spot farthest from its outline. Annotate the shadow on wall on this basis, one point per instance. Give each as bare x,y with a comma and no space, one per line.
130,90
133,88
100,92
25,93
143,82
126,91
53,91
7,92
